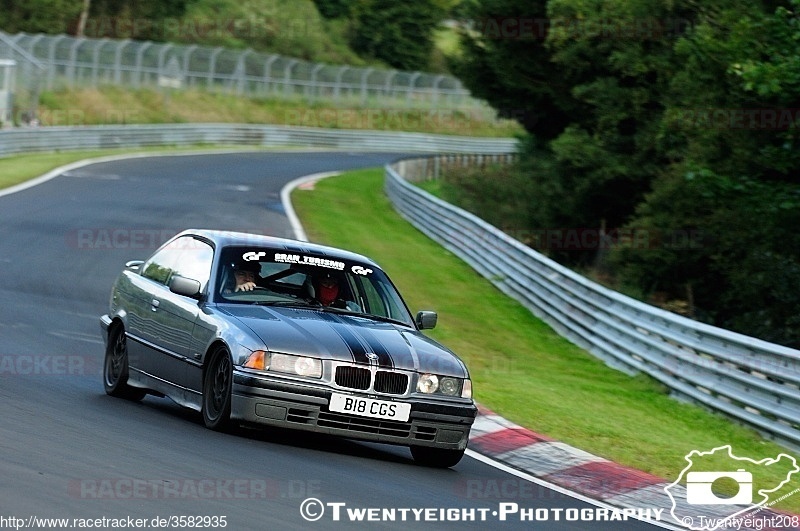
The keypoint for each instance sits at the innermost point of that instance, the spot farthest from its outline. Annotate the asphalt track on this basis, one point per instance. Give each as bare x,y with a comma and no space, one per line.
70,451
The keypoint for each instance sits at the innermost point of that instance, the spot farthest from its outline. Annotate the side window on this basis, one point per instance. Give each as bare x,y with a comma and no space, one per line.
160,266
370,299
392,304
186,257
378,298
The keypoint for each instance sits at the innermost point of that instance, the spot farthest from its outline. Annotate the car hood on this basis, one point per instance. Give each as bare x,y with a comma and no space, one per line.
348,338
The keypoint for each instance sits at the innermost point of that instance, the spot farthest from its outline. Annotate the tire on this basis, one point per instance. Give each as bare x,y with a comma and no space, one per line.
217,385
436,457
115,368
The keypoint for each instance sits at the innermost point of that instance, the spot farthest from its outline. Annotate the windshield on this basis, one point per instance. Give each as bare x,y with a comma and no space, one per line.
285,278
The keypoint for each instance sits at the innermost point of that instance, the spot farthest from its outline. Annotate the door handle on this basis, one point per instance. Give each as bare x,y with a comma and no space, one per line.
155,303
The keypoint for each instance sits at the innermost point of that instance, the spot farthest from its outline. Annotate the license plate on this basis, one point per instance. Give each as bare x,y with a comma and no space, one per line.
368,407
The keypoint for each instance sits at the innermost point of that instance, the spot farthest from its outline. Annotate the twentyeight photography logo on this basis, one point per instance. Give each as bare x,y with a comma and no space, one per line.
723,490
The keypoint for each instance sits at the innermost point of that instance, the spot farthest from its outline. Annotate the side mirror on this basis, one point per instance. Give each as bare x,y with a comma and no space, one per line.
426,320
188,287
134,265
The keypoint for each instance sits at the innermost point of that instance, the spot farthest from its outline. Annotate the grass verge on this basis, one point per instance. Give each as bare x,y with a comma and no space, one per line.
520,367
117,105
17,169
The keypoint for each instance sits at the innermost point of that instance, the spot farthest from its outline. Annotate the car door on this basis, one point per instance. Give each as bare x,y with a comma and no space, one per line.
166,331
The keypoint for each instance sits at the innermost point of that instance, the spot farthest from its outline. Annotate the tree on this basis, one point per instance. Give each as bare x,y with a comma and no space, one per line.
733,176
397,33
506,62
587,82
87,6
674,118
138,19
331,9
38,16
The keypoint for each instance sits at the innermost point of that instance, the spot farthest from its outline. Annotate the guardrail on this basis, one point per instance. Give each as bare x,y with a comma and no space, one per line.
752,381
23,140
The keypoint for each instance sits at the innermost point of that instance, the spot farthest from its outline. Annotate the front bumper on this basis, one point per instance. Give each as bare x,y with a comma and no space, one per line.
433,423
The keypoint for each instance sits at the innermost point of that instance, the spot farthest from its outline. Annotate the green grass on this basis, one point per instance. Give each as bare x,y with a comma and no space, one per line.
520,367
20,168
119,105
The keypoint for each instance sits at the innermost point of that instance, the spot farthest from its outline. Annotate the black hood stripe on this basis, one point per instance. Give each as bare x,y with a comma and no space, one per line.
357,349
384,357
360,341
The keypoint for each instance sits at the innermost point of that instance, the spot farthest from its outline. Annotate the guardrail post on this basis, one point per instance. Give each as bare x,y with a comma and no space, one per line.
287,75
212,67
364,78
268,72
118,60
337,87
313,85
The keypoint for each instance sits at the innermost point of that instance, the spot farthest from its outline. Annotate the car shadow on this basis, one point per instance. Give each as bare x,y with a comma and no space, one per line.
282,436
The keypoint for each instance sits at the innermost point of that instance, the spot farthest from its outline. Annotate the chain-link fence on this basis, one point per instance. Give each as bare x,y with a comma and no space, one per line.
28,74
82,62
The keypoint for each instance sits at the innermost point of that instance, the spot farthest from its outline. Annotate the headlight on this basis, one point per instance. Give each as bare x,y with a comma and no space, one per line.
449,386
444,385
299,365
428,383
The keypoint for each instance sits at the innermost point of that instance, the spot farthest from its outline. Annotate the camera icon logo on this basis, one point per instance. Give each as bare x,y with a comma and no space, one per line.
699,488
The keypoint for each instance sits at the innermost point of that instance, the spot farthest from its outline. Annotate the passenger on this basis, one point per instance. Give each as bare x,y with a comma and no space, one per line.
327,289
329,292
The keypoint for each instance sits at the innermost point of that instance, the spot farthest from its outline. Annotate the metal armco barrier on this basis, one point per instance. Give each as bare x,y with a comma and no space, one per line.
750,380
24,140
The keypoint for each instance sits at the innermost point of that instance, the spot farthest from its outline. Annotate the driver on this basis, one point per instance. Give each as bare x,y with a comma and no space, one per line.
245,274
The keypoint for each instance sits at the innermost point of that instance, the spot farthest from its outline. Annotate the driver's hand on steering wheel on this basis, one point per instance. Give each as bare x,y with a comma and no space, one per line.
247,286
245,280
